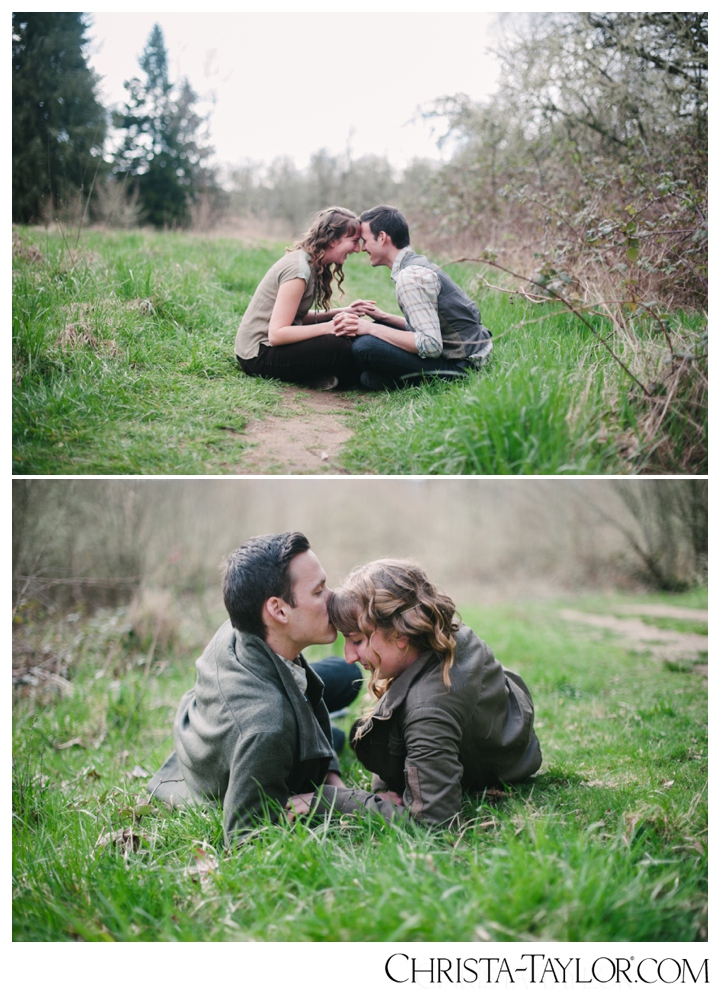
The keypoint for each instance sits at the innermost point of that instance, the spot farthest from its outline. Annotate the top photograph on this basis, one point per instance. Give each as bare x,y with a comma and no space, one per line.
360,244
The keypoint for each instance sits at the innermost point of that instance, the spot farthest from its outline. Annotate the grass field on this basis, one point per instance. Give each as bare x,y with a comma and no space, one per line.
607,843
123,363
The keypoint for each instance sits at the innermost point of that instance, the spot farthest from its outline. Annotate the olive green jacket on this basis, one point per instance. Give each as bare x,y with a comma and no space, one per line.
429,743
245,736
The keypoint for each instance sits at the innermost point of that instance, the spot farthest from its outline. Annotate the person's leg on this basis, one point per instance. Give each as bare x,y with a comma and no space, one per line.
388,366
305,361
342,683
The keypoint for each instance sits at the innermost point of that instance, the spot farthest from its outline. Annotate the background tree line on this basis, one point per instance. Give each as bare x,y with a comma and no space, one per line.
99,542
587,168
159,170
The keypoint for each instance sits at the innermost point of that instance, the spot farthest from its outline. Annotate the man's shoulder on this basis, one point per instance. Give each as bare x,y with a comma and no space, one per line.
231,648
414,264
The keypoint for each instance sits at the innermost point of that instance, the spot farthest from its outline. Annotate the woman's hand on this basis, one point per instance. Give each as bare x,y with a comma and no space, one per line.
298,805
350,324
346,324
390,797
363,307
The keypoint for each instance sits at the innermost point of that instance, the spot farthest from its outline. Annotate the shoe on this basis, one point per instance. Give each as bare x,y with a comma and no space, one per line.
376,382
425,376
326,383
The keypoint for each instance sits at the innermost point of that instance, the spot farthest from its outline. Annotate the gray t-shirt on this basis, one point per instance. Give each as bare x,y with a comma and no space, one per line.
255,323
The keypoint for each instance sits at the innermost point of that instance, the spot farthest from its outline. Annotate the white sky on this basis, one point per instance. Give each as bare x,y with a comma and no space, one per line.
292,83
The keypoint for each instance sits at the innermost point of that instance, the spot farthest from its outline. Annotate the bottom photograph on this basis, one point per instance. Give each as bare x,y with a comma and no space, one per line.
413,710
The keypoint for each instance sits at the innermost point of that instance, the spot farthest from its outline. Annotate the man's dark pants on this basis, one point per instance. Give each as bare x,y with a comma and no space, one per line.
393,367
342,682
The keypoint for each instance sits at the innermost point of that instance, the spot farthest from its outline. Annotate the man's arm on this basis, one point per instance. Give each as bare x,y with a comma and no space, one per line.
417,291
259,772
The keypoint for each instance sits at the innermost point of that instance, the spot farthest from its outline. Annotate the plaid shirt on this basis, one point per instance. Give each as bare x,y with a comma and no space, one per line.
417,290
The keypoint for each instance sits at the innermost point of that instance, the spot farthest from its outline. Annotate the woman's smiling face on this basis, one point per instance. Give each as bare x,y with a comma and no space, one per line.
381,652
339,250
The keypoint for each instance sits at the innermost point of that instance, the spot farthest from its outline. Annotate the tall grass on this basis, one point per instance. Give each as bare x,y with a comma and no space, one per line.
552,400
123,362
123,359
607,843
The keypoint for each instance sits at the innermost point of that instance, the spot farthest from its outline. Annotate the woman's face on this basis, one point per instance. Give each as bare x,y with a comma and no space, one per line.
383,653
339,250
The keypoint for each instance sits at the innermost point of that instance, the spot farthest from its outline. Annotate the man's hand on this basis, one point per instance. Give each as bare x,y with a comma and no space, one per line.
363,307
334,779
371,310
349,324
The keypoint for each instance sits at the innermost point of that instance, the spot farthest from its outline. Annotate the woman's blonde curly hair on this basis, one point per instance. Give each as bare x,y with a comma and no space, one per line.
396,597
327,226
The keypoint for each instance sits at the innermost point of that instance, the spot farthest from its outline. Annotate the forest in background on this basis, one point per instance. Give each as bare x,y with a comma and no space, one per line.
587,166
91,543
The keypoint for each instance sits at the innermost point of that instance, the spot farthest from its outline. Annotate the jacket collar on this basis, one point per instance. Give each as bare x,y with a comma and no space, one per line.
313,736
398,691
397,265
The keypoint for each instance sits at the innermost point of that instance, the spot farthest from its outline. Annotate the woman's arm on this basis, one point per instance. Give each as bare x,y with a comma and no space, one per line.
433,771
281,330
357,307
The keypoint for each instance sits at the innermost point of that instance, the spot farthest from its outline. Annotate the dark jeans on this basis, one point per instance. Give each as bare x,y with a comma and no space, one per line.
305,361
342,682
393,364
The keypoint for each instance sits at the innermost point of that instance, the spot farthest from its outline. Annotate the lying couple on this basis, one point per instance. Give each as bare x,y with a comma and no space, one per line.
438,335
254,734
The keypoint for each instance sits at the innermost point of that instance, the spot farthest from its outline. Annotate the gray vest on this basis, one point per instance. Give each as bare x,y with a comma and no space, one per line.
463,334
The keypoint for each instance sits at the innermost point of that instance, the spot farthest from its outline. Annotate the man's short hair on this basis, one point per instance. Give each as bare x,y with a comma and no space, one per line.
385,218
255,572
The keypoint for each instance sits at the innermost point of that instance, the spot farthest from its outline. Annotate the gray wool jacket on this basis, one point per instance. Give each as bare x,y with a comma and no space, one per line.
429,743
245,735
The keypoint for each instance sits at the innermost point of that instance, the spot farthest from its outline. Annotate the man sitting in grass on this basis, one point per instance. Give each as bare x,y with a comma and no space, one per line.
439,333
255,730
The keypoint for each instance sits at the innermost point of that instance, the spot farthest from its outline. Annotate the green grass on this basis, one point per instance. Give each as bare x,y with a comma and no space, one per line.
123,363
607,843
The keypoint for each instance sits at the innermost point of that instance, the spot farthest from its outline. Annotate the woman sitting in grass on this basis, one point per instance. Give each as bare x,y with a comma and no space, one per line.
446,716
279,336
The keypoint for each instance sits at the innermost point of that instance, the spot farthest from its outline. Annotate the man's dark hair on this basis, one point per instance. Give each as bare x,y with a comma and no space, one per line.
385,218
255,572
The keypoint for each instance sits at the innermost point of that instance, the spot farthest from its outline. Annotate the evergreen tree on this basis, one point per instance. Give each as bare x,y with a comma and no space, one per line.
162,150
58,123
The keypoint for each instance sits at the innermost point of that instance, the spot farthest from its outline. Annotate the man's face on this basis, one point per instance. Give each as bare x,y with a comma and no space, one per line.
307,620
373,247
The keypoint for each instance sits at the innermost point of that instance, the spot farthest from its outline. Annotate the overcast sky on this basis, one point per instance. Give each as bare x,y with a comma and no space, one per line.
289,84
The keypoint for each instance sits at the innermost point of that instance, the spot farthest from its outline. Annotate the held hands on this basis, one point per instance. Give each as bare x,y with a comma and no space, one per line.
298,805
350,324
390,797
368,308
301,803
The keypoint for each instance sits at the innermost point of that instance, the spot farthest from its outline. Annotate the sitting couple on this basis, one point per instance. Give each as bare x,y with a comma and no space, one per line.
254,733
438,335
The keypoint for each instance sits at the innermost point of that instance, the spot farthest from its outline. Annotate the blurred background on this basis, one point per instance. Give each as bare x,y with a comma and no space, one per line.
91,543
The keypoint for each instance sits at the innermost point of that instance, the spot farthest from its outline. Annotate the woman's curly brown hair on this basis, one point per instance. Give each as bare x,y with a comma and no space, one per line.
397,597
327,226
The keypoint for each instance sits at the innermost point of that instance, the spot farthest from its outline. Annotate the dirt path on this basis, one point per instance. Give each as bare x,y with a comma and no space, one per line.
306,439
667,645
